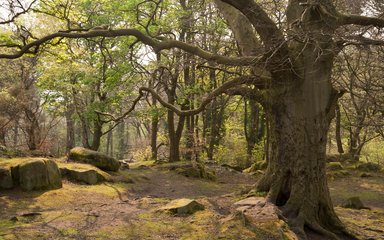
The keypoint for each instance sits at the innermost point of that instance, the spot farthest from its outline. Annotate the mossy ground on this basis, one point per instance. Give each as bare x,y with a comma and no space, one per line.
122,210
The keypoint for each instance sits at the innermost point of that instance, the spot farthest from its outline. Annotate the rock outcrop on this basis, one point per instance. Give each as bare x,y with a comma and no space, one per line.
83,173
30,174
97,159
38,174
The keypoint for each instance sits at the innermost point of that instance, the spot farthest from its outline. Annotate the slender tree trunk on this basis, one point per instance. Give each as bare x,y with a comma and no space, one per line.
251,127
174,151
32,130
84,133
97,134
197,149
70,143
154,132
122,145
338,131
16,134
109,143
354,144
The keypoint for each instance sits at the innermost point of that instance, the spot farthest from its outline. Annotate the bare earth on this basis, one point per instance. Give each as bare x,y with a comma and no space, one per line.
129,210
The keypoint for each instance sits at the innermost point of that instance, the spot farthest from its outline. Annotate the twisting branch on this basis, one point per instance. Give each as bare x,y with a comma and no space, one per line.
218,91
264,25
347,19
157,45
360,41
247,93
275,44
117,120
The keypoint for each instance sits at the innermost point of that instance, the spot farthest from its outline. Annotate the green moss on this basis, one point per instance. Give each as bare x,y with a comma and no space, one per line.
363,224
257,166
15,161
6,227
102,161
141,163
254,193
368,167
334,166
69,232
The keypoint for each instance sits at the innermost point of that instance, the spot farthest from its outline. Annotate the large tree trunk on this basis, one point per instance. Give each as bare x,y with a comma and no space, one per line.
296,178
300,116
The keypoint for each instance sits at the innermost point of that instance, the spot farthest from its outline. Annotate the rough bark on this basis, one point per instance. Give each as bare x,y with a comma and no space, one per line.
300,116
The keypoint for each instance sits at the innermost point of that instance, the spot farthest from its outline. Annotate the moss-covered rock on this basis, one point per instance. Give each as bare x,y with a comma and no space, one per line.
5,178
83,173
196,170
354,203
257,166
334,166
102,161
232,167
183,206
365,175
37,174
368,167
338,157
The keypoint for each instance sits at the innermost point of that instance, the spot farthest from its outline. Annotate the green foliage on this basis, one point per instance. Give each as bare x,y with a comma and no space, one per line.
142,155
234,154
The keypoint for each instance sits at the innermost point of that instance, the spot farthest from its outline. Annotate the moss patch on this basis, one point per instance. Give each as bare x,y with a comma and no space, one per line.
364,224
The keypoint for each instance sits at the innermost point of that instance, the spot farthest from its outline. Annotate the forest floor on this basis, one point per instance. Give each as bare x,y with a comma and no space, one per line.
128,208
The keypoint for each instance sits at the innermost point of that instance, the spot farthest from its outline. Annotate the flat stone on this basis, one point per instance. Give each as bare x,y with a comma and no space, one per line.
183,206
83,173
251,201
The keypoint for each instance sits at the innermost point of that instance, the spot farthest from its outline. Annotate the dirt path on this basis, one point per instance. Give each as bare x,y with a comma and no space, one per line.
129,210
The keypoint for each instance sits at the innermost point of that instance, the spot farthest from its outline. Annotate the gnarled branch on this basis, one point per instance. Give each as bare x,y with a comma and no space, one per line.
157,45
347,19
247,93
218,91
265,27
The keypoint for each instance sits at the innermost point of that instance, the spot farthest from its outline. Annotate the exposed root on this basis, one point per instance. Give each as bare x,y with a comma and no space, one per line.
319,229
300,212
